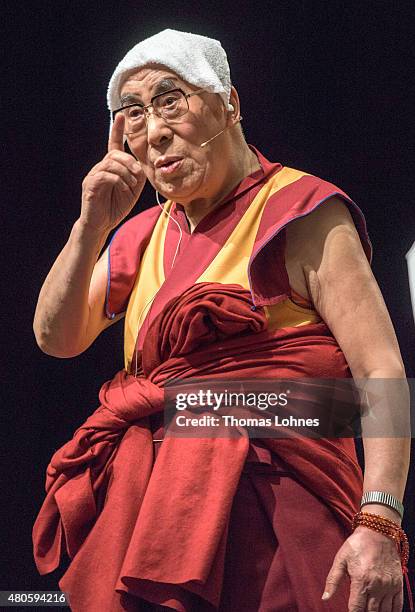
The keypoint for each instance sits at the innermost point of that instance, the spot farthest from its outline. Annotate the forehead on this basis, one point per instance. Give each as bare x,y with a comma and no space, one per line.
143,81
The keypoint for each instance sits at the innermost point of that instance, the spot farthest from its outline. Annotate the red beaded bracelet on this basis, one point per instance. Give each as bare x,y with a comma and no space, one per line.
391,530
388,528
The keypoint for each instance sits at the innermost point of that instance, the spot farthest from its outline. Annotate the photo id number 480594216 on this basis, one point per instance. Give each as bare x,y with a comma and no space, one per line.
31,598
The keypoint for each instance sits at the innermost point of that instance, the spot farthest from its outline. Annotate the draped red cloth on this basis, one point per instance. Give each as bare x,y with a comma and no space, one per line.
158,530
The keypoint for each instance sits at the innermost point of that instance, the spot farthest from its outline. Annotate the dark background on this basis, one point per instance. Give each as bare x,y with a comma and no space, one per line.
325,88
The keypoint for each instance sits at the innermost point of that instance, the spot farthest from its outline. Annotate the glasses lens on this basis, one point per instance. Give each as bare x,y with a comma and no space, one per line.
134,119
171,104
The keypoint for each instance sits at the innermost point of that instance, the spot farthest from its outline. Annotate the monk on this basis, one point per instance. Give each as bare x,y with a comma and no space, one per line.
248,269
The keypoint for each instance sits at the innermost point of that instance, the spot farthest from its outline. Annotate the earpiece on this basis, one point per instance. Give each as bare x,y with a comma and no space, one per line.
231,107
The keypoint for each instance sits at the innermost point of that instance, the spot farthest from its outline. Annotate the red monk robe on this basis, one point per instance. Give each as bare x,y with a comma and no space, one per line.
227,524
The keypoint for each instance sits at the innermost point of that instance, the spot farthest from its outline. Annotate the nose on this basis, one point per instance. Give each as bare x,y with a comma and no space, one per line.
158,130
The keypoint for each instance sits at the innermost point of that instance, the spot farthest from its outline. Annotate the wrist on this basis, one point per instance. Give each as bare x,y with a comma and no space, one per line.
365,531
84,231
384,511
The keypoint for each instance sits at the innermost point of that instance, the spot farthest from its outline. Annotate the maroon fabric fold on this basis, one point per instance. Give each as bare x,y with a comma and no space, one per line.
158,530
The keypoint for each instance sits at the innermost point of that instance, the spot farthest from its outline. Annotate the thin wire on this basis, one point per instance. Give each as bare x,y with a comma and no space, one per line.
180,229
174,259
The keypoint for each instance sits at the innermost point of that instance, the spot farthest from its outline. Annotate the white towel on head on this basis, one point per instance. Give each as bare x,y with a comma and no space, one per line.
199,60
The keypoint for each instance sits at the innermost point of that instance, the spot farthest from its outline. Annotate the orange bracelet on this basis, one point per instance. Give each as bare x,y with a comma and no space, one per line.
388,528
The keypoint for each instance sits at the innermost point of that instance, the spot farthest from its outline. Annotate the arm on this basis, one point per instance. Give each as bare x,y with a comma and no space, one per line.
346,295
70,309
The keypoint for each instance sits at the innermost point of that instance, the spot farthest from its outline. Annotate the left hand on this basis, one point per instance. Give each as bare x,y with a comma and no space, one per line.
372,562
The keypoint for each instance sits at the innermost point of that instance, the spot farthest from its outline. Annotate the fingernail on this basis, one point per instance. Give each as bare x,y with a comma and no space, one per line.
325,595
137,167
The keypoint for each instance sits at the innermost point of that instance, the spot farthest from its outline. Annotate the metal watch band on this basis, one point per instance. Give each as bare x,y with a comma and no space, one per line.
385,499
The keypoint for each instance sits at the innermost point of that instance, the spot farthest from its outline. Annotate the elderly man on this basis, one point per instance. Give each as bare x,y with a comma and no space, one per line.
249,269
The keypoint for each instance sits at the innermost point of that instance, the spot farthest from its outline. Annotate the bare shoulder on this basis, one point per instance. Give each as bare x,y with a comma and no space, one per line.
329,227
308,232
326,246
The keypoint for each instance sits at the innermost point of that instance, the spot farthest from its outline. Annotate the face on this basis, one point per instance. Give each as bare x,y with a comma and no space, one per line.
196,173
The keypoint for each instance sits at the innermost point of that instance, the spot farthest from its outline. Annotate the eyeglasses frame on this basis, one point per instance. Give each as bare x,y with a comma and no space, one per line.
148,106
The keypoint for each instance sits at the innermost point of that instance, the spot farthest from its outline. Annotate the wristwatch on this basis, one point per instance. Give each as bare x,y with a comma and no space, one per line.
385,499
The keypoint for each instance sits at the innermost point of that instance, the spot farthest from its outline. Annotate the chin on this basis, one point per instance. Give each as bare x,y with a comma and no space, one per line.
176,190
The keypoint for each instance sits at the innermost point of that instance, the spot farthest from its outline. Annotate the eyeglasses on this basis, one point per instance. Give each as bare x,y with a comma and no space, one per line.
168,105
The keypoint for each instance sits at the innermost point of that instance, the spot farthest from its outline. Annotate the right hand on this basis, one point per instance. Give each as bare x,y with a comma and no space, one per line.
112,187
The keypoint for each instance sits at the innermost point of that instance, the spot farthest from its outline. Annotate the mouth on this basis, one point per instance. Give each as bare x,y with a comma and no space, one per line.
168,165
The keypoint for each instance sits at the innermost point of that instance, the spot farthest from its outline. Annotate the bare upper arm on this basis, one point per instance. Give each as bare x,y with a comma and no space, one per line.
98,321
344,290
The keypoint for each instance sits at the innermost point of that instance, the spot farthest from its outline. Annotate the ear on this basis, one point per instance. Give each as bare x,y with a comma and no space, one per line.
234,115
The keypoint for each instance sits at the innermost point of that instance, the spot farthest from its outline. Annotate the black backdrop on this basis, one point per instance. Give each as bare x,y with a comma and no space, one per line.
325,88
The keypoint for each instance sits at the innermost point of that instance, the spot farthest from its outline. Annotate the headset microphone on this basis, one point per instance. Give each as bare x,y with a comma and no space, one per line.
219,133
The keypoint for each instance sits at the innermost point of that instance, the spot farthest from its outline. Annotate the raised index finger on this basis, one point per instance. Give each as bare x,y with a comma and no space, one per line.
116,139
